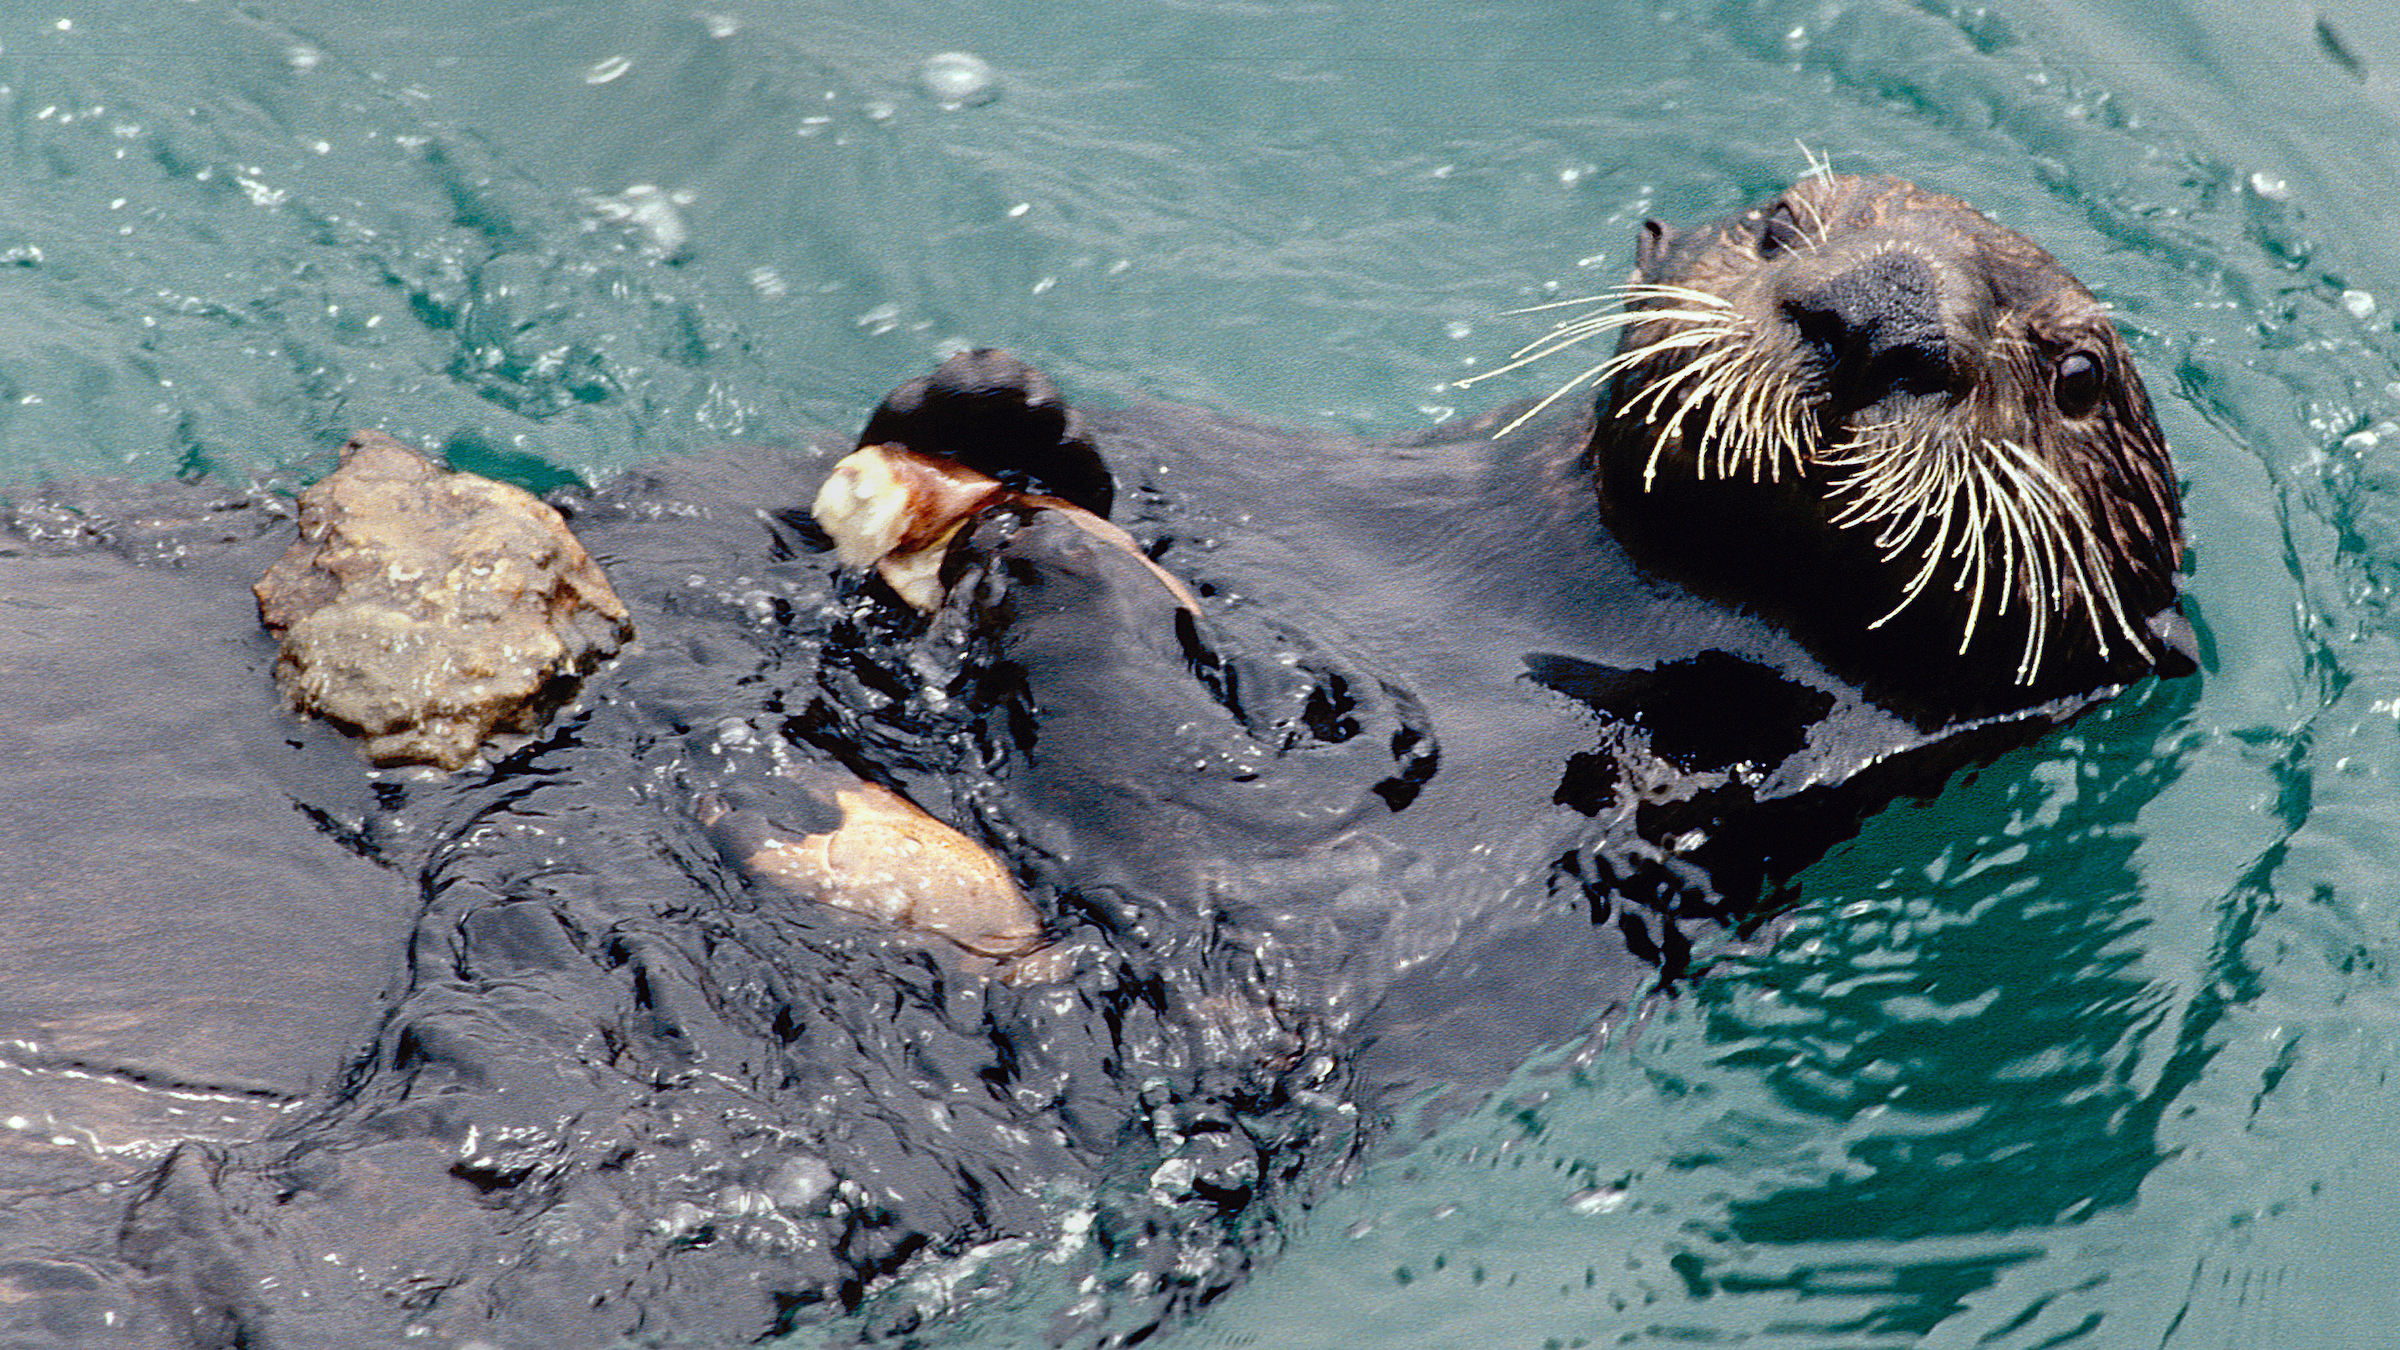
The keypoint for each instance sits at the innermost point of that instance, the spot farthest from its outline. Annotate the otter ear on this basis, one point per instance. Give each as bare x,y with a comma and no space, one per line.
1650,248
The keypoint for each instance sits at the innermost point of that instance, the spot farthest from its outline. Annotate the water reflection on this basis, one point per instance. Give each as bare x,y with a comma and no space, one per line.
1966,1048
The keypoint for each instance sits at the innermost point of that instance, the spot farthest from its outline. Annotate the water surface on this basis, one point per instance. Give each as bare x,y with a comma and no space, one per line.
2095,1049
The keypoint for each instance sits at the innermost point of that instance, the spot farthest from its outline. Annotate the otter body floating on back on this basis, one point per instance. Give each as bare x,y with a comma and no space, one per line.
1870,491
1321,775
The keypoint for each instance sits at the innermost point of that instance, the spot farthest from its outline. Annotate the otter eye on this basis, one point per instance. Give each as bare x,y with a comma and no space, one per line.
1779,231
2076,383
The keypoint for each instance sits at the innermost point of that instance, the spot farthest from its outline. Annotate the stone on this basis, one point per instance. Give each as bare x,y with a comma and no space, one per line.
424,610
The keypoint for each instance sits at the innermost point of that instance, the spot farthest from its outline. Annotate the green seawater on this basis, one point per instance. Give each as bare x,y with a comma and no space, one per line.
2098,1049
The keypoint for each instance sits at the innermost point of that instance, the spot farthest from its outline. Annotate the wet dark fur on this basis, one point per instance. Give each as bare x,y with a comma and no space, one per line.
1451,766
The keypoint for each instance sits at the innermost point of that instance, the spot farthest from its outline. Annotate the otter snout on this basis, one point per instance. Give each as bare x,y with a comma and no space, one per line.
1876,331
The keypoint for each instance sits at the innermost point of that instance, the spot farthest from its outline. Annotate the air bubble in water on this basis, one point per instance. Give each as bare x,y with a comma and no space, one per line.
653,212
958,79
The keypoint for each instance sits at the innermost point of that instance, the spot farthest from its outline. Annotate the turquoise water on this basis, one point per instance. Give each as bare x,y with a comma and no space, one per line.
2095,1050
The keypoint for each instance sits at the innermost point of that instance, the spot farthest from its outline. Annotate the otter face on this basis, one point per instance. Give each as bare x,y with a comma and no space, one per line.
1867,411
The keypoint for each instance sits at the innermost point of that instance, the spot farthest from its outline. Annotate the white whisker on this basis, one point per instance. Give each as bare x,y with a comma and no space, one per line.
1996,519
1554,396
1603,298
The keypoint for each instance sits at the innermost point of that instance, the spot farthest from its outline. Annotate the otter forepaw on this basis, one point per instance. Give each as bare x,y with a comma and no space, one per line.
983,430
997,415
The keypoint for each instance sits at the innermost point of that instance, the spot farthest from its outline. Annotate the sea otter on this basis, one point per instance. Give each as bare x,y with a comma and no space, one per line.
1284,783
1871,488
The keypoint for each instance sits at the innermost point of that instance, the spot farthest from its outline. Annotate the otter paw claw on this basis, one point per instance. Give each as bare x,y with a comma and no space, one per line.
997,415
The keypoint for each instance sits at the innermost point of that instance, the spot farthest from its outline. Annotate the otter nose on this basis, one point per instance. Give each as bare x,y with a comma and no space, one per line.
1877,330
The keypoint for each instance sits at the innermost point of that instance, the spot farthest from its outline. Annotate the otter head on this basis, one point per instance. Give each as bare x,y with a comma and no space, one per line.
1874,416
